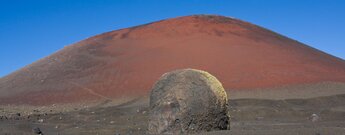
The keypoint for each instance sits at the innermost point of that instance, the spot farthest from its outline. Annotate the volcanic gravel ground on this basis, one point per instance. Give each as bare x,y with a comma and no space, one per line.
248,116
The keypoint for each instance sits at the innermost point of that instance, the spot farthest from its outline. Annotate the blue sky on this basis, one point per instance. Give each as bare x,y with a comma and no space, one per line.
33,29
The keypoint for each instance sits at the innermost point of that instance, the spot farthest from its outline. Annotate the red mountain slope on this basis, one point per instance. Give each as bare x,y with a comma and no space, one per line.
127,62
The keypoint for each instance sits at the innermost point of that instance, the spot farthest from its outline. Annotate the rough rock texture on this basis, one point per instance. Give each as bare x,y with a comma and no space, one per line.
187,101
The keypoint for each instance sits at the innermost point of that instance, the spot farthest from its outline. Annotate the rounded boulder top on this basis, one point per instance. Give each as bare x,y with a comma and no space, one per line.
188,101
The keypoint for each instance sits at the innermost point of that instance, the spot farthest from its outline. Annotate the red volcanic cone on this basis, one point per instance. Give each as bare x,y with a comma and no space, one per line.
127,62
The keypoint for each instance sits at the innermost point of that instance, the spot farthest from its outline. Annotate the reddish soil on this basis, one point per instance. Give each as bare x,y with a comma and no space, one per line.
127,62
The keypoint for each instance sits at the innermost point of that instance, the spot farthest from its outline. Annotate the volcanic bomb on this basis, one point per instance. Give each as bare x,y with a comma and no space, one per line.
187,101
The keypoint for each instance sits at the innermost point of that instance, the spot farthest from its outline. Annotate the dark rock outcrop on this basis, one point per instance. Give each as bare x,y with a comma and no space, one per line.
37,131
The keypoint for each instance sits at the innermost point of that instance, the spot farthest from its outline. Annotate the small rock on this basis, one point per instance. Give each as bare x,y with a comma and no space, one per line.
41,120
314,117
112,122
259,118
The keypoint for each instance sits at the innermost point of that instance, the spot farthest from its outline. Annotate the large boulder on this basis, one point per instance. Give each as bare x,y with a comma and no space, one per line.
187,101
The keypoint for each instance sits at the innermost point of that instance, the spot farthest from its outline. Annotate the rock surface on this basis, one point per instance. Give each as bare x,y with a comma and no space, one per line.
187,101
